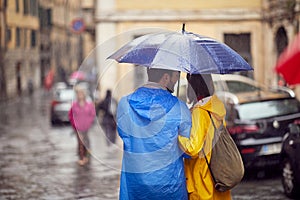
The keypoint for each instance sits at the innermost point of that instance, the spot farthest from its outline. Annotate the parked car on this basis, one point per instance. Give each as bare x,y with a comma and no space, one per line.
59,85
258,122
239,84
257,117
234,84
61,104
290,161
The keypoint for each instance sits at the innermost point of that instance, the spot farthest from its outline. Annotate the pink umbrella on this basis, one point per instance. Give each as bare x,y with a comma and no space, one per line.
78,75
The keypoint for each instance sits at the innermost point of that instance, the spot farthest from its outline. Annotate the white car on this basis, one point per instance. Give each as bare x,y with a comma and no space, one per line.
61,104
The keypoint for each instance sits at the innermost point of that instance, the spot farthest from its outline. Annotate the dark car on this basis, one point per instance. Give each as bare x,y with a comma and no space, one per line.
290,160
257,117
258,122
61,104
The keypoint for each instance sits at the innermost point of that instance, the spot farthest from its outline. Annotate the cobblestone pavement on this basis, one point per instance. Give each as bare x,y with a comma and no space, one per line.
38,161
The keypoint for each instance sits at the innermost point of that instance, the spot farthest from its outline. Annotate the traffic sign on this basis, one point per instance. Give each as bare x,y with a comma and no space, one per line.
77,25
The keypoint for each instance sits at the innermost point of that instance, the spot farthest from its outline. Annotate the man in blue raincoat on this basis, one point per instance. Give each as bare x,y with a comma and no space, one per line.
149,122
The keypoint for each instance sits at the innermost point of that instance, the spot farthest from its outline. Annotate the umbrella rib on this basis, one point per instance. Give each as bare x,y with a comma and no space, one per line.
133,47
170,36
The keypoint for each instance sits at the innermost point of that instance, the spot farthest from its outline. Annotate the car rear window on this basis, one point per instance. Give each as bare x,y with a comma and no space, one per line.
238,86
65,95
267,109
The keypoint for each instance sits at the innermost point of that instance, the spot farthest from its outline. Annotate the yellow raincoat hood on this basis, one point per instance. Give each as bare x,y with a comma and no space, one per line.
213,105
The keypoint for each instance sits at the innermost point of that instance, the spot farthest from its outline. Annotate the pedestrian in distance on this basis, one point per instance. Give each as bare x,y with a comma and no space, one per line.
82,115
30,86
108,107
49,79
200,92
149,121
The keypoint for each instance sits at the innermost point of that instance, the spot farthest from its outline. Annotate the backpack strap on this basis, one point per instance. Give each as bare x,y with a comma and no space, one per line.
208,164
212,120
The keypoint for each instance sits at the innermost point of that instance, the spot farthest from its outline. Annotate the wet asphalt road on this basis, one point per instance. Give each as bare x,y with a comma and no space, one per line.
38,161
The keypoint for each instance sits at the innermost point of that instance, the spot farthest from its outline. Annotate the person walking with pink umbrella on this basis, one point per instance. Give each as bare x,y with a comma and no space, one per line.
82,115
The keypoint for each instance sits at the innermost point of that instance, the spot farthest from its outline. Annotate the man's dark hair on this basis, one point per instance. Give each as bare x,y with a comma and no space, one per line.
154,75
201,86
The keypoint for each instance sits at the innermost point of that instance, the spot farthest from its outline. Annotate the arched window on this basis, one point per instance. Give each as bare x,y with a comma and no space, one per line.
281,40
281,43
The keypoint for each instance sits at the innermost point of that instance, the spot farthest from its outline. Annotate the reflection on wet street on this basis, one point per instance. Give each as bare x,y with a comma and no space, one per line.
39,161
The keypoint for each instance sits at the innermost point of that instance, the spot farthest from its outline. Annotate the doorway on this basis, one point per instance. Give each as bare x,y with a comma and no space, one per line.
281,41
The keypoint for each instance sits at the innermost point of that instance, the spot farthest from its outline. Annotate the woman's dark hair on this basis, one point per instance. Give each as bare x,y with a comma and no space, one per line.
108,93
200,86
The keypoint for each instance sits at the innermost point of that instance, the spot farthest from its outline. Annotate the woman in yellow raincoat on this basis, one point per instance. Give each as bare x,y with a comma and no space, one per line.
200,184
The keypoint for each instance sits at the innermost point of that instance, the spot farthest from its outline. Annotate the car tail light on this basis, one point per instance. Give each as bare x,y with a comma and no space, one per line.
248,150
297,121
54,103
243,129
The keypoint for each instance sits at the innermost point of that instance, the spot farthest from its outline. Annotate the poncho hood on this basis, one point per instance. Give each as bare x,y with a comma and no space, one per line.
147,103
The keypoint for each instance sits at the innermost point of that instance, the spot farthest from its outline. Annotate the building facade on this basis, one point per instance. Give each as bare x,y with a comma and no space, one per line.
21,58
45,20
3,48
39,35
258,30
281,19
70,43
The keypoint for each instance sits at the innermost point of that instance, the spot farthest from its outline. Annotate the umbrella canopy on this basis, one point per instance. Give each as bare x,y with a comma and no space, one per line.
289,62
185,51
78,75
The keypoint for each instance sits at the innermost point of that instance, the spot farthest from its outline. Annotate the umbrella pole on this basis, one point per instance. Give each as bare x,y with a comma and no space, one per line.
178,86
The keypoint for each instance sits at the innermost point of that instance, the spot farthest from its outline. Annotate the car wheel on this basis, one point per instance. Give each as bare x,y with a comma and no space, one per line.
288,179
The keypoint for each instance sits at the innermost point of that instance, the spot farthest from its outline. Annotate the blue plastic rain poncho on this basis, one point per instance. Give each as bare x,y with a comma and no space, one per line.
149,121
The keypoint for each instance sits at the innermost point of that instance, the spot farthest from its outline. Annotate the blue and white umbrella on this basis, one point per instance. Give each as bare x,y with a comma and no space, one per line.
181,51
